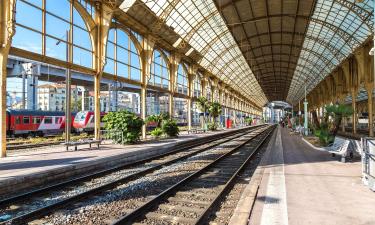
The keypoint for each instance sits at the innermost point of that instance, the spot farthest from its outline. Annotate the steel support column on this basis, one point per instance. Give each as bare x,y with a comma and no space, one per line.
193,70
369,89
146,58
68,114
7,29
84,100
305,103
143,108
103,20
3,98
174,61
354,117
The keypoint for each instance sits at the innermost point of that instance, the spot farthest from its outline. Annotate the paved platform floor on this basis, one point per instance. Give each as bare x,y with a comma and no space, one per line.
304,186
23,163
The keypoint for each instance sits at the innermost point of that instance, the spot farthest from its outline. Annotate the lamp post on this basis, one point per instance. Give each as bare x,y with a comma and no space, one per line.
305,103
68,114
272,113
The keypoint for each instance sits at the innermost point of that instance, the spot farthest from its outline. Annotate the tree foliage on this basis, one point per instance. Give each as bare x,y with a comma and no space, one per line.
215,110
203,104
129,124
249,120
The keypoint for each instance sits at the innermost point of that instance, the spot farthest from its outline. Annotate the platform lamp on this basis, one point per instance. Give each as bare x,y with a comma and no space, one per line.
68,114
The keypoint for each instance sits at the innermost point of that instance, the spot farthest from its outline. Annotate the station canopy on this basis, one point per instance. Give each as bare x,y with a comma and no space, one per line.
268,49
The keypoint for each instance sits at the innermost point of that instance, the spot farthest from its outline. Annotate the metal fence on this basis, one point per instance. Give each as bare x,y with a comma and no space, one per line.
368,162
111,136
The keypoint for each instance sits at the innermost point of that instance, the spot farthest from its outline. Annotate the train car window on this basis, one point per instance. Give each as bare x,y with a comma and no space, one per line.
80,117
57,120
18,120
36,120
26,120
48,120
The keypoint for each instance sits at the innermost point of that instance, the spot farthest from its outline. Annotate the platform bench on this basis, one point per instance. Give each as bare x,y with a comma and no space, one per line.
196,131
340,147
83,142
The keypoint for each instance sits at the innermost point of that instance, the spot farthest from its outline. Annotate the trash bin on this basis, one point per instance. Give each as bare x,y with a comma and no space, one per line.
229,123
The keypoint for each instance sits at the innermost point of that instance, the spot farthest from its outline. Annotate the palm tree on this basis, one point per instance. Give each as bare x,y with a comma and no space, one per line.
337,112
327,129
158,119
203,104
215,110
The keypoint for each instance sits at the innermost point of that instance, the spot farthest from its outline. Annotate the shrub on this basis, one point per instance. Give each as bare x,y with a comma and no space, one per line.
212,126
129,124
157,132
170,128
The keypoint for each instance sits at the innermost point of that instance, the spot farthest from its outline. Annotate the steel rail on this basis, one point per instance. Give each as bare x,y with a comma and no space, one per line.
114,169
142,210
49,208
230,183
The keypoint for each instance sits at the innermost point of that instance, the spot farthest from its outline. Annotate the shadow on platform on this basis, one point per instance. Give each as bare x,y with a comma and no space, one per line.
40,163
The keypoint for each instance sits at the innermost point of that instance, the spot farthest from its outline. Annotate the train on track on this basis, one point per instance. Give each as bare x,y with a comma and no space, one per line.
26,123
34,122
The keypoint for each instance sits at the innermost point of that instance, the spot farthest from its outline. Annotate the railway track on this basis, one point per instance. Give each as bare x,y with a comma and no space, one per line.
193,199
37,203
30,146
28,143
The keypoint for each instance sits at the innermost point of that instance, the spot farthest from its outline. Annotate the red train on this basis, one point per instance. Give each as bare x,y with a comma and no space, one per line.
84,121
39,123
34,122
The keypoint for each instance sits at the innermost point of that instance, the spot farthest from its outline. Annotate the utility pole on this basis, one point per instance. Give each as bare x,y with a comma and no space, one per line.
68,114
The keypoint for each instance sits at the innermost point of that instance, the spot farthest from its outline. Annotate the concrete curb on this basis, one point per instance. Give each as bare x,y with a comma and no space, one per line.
314,147
248,197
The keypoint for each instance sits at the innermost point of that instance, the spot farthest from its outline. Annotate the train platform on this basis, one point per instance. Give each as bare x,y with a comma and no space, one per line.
296,184
25,169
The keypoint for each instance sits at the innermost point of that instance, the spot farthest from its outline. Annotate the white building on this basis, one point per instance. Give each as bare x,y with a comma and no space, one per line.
52,96
129,101
104,101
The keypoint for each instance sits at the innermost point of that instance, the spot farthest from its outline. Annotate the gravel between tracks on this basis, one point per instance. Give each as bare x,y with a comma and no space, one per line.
107,206
228,205
42,200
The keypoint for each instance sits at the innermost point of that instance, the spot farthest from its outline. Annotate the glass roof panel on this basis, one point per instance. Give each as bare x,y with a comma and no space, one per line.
199,23
335,30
